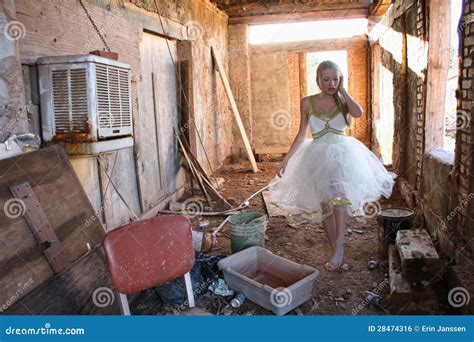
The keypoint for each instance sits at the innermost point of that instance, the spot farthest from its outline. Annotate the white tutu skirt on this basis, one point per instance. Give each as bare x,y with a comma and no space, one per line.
329,171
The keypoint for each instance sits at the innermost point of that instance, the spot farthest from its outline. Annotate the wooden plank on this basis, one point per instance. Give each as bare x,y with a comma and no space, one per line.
438,65
221,201
157,129
193,171
272,210
224,79
145,135
303,74
380,7
120,200
66,207
387,20
301,16
200,175
310,46
271,150
162,203
420,260
186,96
72,292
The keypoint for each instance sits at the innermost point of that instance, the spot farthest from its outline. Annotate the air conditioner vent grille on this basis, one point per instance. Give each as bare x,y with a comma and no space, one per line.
70,100
113,97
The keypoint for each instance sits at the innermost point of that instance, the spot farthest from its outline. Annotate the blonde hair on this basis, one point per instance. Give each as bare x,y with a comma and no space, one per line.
340,101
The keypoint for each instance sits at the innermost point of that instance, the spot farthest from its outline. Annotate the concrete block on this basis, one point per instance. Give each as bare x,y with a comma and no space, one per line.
420,260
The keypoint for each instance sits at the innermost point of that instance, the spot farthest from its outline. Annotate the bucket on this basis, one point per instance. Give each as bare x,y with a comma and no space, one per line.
391,220
247,230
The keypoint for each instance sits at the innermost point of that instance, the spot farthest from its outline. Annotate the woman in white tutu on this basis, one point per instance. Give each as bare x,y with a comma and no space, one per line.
332,175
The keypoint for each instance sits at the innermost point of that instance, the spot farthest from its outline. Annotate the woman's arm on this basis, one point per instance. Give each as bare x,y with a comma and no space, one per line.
300,137
354,108
304,110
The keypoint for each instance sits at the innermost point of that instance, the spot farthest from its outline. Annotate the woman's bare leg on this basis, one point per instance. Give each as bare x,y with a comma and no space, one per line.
331,232
340,218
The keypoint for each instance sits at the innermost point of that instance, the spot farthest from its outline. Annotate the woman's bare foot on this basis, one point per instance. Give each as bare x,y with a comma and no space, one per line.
336,258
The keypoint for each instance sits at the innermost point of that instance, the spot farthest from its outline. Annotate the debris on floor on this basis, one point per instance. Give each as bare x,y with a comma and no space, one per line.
220,288
336,293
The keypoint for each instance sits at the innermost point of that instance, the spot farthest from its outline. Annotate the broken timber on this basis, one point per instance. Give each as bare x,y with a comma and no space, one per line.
248,148
200,175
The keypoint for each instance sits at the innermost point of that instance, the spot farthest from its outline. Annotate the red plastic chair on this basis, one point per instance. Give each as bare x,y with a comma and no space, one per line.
148,253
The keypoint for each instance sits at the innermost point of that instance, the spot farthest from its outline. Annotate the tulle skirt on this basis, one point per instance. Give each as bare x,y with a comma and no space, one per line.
332,170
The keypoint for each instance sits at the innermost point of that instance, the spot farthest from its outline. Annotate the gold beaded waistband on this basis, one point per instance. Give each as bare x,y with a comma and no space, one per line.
325,130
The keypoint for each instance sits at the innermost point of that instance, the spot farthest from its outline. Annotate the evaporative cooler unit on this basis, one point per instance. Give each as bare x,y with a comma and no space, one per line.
84,98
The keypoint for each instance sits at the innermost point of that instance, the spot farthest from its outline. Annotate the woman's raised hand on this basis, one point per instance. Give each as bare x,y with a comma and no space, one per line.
340,86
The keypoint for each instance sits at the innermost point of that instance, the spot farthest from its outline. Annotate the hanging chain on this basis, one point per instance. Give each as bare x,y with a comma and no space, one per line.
93,24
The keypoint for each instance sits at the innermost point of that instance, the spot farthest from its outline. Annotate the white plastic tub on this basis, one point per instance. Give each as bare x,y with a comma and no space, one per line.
273,282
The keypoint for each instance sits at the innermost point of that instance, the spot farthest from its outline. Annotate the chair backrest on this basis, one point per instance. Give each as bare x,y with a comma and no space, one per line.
147,253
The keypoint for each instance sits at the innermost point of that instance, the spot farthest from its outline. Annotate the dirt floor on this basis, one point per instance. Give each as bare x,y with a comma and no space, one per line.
334,293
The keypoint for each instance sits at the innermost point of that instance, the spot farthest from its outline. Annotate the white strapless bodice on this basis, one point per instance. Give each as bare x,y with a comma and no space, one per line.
317,124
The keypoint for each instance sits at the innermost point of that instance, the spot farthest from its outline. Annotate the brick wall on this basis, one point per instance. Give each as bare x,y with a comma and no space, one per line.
422,34
463,182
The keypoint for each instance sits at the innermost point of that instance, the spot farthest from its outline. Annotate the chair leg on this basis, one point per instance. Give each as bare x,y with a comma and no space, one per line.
189,289
124,308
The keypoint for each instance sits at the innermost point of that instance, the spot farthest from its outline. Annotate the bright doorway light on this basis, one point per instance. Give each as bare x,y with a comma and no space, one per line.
312,61
309,30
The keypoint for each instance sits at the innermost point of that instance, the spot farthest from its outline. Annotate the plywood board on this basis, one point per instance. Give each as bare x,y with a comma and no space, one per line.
66,207
82,289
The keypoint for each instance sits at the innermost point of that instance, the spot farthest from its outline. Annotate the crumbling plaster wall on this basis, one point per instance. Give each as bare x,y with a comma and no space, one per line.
13,116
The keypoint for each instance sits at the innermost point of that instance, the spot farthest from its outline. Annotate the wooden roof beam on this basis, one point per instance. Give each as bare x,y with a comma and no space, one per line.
301,16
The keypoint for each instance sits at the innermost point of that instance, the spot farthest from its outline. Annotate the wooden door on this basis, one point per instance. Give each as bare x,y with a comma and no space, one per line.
158,156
